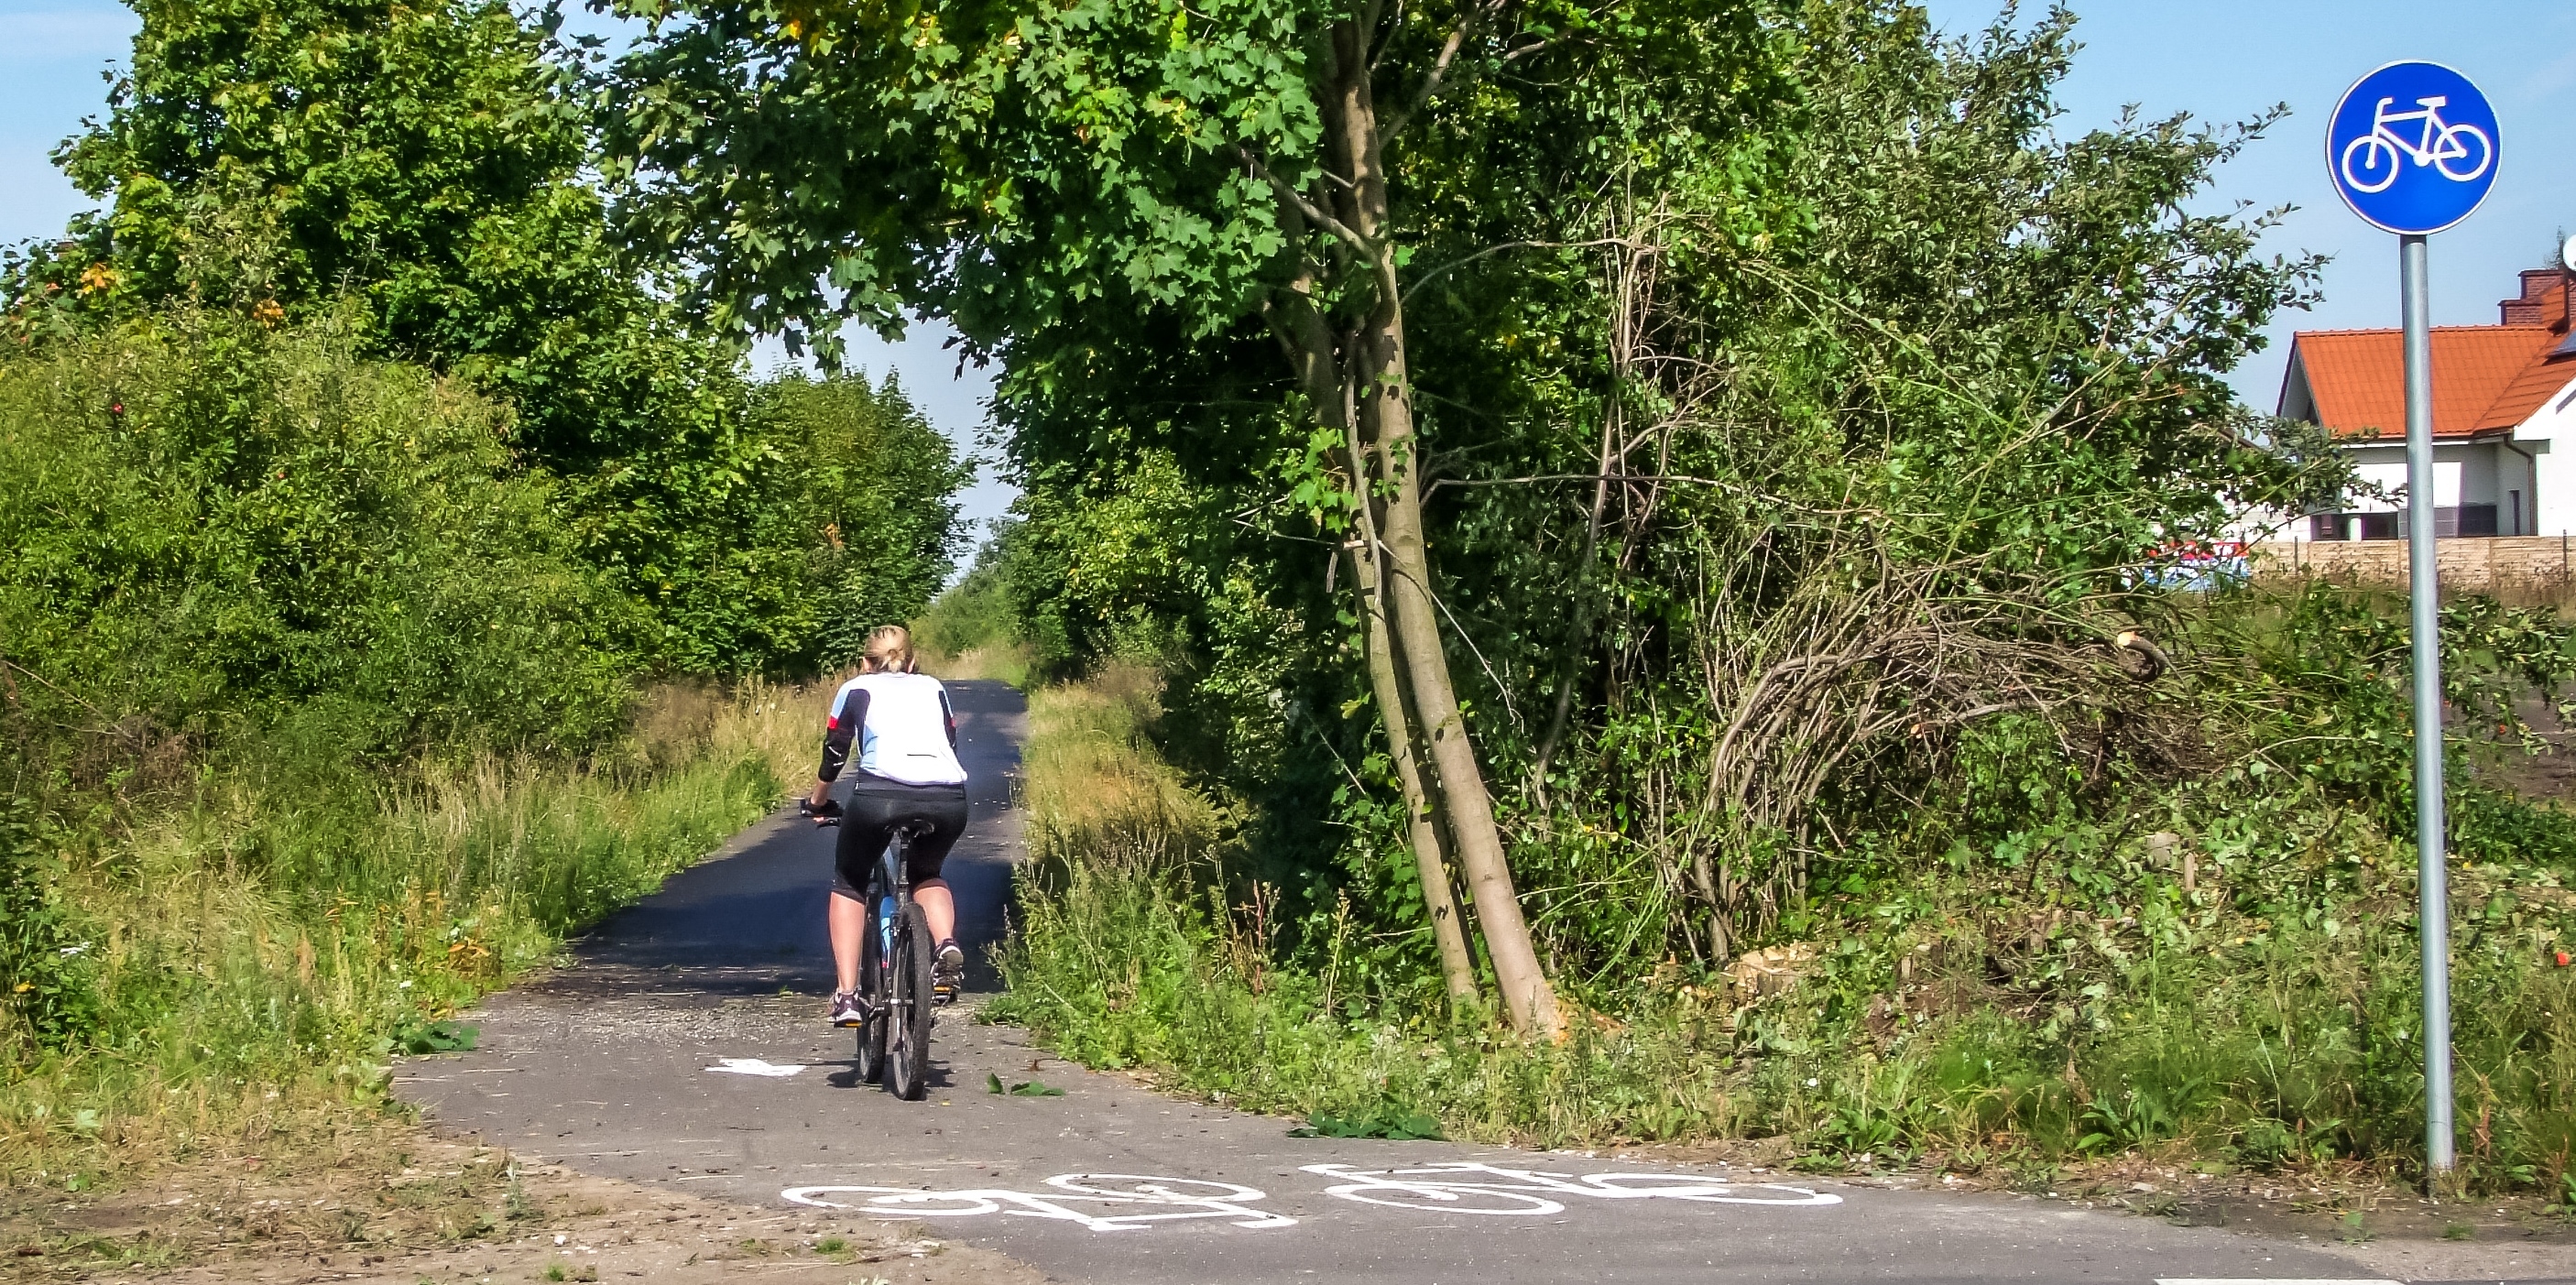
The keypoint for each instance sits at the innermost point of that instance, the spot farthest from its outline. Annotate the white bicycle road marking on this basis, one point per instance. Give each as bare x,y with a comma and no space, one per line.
1471,1188
756,1066
1154,1199
1104,1202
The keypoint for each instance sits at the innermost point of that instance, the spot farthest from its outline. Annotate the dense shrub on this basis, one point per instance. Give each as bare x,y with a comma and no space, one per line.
2046,961
314,725
423,189
220,531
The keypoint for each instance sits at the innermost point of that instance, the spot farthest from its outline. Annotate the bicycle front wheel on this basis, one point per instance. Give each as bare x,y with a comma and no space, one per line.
2464,154
871,1056
908,1017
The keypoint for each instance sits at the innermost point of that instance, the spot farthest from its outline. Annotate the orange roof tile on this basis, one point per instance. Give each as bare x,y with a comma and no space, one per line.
2358,377
2533,388
2485,378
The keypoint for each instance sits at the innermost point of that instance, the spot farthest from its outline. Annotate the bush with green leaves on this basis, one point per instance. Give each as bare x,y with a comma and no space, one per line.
2049,962
328,730
221,533
414,175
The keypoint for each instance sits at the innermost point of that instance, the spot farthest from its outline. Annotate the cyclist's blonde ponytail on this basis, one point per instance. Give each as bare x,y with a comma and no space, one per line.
890,650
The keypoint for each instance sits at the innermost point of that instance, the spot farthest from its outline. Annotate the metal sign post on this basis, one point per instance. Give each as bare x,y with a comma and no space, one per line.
2413,148
2432,877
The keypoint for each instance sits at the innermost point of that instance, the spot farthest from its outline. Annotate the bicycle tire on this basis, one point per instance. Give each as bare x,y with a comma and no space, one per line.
1448,1198
871,1055
2484,152
908,1017
2377,145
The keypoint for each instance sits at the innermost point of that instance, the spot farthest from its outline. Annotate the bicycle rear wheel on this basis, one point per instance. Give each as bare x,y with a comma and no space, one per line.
907,1019
871,1056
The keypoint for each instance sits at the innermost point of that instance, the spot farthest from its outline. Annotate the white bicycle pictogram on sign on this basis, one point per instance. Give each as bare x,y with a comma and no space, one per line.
2459,152
1469,1188
1133,1202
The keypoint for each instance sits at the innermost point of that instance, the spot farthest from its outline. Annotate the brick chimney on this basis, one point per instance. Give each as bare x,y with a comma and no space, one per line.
2543,301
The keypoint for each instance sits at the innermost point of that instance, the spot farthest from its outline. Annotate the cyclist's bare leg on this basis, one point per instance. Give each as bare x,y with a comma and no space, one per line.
849,928
936,906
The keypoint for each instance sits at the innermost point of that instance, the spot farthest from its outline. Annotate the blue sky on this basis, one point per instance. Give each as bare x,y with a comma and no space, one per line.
2217,59
2226,60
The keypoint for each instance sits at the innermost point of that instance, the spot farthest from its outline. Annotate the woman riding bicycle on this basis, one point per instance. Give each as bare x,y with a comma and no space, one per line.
908,771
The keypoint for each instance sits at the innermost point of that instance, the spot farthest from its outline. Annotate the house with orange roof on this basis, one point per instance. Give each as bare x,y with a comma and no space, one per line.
2503,396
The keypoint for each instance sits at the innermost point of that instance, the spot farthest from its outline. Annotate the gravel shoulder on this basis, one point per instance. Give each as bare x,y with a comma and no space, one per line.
418,1208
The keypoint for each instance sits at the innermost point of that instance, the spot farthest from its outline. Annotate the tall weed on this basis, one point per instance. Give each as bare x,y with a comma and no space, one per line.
261,953
2240,988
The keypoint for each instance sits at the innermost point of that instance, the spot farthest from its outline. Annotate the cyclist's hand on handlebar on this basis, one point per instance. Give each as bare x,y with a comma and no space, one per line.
828,812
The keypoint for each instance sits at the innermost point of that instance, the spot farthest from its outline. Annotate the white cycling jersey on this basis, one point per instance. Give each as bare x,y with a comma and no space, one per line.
903,725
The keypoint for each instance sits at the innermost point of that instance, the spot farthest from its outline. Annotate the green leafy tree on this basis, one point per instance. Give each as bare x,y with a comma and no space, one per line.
1044,173
277,157
880,484
1898,389
272,155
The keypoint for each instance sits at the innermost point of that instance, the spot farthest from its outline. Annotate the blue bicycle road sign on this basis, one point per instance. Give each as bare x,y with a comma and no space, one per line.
2413,147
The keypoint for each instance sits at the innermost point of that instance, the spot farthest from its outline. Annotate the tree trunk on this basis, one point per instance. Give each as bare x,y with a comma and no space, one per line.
1386,418
1311,350
1457,967
1527,996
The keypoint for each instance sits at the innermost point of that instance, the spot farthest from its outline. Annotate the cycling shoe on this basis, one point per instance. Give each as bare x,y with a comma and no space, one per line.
848,1009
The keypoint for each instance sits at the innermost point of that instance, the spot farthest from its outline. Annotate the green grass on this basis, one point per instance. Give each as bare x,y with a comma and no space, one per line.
258,951
1972,1015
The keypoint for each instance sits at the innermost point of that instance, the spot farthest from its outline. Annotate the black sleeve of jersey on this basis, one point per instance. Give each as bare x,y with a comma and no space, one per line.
837,735
948,714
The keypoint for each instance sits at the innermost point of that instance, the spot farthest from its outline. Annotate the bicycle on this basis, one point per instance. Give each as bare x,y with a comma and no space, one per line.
895,985
2440,144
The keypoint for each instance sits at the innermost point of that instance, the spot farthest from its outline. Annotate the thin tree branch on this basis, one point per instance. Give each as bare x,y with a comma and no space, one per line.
1434,81
1498,248
1314,213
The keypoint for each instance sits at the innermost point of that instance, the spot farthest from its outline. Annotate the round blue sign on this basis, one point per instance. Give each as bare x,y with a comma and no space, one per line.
2413,147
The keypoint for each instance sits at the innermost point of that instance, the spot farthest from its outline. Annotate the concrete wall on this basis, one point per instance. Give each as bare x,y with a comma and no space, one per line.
2468,565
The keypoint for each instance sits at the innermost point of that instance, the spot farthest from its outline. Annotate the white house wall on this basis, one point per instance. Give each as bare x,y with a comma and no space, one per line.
2467,468
2530,480
2554,487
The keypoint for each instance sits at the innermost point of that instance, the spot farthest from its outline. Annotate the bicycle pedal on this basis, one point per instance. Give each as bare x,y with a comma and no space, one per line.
943,995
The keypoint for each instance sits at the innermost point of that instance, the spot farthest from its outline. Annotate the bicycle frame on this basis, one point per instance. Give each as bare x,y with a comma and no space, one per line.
889,898
2434,142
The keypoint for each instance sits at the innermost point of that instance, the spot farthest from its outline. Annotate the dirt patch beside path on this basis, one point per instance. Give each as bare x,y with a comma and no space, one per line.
422,1209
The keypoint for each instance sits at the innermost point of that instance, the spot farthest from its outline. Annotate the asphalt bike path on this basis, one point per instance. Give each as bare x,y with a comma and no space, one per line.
685,1047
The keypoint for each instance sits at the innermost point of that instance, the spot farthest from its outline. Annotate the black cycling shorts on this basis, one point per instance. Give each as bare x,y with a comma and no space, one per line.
876,807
